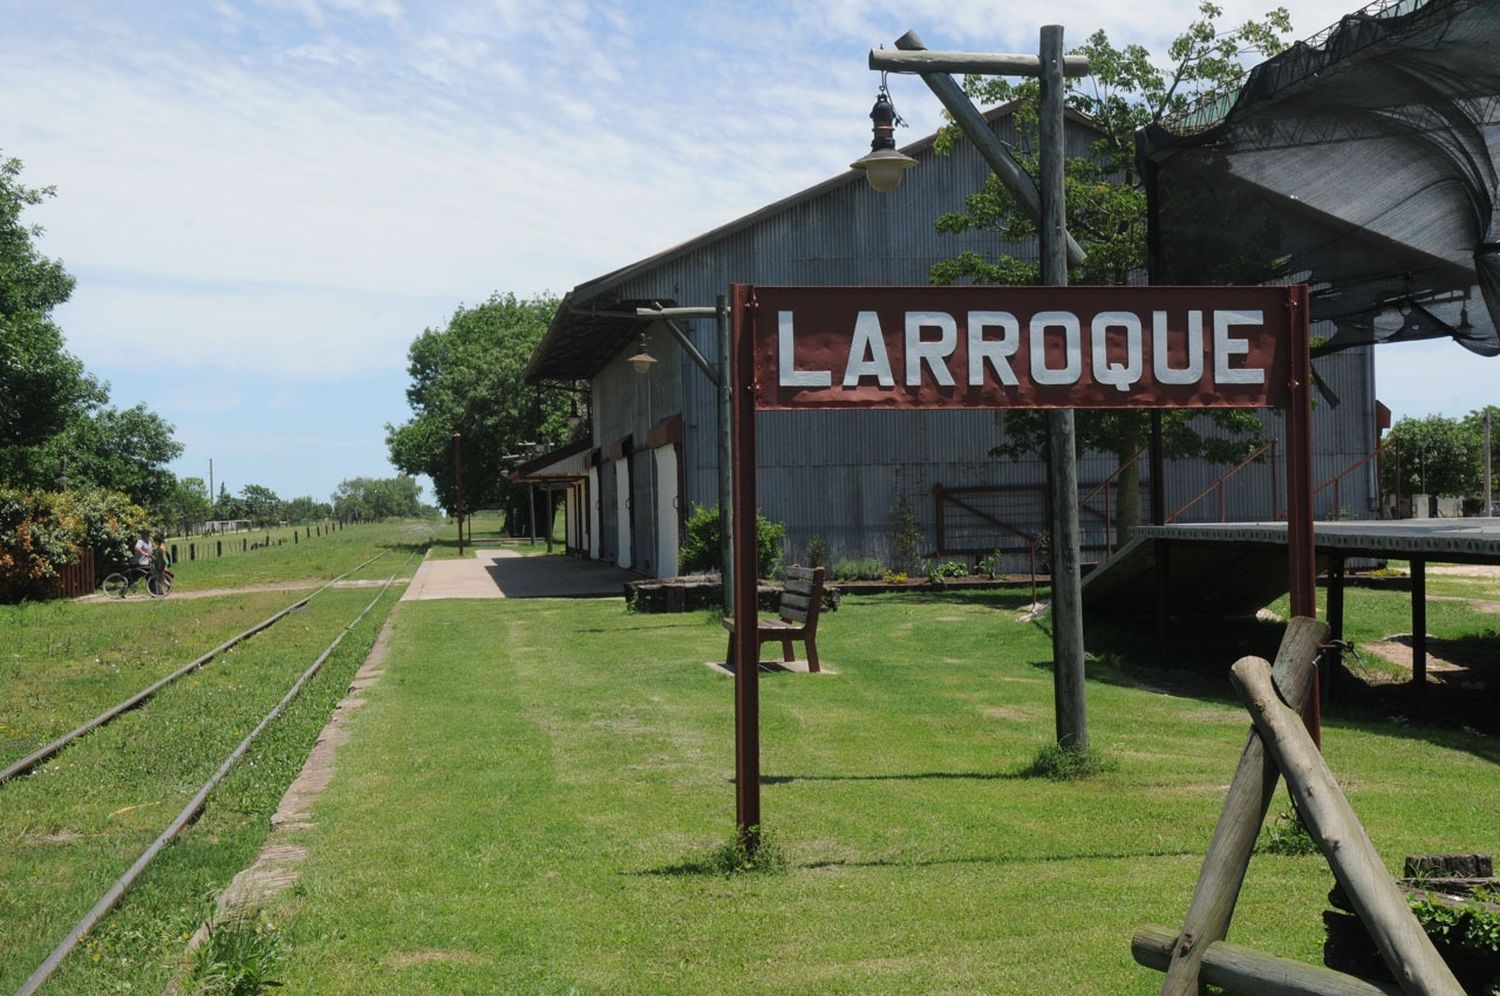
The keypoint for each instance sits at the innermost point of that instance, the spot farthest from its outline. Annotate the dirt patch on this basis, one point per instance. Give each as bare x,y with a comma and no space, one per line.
406,959
1008,712
1461,662
1466,570
248,589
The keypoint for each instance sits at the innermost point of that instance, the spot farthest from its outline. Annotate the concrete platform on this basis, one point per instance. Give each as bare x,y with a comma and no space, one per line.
507,574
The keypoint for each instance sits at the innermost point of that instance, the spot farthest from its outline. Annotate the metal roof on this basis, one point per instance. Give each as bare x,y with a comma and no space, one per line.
590,328
567,463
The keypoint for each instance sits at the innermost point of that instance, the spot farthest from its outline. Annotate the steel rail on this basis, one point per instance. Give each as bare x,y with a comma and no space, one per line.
189,812
41,754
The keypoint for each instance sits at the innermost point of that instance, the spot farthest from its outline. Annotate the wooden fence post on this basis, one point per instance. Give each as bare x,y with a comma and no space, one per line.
192,551
219,548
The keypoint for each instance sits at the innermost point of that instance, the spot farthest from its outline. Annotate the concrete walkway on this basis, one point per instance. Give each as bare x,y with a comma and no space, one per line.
507,574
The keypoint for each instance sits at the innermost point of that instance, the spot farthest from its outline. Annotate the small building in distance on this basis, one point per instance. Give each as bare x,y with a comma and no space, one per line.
839,475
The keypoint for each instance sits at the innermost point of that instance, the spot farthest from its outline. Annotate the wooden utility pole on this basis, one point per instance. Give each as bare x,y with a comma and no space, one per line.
1062,466
1045,202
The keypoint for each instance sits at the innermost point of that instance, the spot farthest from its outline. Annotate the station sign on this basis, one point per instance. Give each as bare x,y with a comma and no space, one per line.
1022,347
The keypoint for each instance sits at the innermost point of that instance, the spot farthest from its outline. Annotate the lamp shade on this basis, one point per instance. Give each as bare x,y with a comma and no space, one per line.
884,168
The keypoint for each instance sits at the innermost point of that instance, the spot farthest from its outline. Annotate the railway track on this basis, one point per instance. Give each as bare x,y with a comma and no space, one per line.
199,799
48,751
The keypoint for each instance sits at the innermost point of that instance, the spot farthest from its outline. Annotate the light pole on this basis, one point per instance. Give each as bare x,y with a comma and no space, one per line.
458,485
1044,201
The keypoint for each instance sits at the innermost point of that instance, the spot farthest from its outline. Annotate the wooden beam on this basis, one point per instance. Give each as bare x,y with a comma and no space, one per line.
1245,806
971,63
1403,944
994,152
1243,971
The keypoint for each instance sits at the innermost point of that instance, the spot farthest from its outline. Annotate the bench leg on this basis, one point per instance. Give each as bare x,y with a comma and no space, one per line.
729,653
786,651
812,654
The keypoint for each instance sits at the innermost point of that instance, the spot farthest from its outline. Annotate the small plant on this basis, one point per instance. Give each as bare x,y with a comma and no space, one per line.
817,552
239,956
1065,764
990,566
1286,835
894,577
757,852
862,569
952,569
906,537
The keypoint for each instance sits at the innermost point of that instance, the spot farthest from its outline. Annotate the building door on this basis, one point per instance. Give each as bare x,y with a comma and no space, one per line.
666,510
592,498
622,512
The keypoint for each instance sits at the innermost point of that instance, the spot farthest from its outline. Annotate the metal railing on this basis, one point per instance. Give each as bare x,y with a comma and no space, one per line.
1220,482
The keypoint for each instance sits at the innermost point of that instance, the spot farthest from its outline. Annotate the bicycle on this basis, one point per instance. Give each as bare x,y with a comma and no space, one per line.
158,582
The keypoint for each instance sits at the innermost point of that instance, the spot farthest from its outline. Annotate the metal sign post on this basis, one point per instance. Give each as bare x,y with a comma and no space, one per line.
1054,348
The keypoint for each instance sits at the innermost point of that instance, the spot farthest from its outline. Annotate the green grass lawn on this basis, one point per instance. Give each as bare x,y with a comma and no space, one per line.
308,560
529,800
75,824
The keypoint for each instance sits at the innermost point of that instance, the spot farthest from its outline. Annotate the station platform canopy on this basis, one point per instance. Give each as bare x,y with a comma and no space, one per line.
1362,162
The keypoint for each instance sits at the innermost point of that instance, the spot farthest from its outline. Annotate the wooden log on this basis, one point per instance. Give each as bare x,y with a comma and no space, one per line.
1403,944
971,63
1240,970
1244,811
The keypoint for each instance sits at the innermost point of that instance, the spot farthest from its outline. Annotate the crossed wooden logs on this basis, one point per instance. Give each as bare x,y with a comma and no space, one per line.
1279,744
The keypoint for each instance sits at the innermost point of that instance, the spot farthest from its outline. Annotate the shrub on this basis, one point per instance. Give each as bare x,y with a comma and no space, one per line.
702,548
894,577
1286,835
906,538
817,552
41,531
861,569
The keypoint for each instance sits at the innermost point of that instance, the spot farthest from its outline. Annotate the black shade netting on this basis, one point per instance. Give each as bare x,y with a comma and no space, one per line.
1362,163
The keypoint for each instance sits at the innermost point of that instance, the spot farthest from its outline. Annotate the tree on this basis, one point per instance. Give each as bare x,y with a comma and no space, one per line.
227,506
368,498
468,378
44,386
261,504
307,509
188,503
55,415
1439,456
1125,91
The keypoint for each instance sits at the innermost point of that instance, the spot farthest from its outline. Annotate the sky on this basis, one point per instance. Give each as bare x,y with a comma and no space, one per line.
265,201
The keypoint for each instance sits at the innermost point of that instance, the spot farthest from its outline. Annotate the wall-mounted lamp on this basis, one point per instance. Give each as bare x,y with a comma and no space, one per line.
642,360
883,165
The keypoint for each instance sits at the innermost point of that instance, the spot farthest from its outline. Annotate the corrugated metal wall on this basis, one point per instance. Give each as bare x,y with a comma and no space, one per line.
838,474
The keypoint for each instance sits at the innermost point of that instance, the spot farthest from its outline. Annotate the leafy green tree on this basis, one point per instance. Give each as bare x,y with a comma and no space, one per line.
1439,456
227,506
468,378
307,509
43,386
369,498
1125,91
188,504
261,503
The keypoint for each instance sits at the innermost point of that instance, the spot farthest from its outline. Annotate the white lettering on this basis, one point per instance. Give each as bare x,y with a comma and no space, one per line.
790,375
1073,351
1165,374
1120,375
931,353
1225,347
868,341
993,350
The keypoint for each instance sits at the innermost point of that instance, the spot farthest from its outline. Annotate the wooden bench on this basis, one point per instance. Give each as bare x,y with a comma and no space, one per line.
801,604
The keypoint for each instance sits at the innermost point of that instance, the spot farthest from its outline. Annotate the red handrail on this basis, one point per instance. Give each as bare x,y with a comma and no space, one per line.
1219,483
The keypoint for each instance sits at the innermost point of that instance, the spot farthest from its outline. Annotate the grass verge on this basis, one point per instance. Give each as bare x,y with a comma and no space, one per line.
528,797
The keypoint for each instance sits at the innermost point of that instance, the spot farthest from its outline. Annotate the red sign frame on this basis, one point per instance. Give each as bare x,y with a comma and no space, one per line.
756,373
1021,347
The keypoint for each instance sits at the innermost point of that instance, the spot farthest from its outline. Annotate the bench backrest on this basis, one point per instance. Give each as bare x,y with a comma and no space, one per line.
802,596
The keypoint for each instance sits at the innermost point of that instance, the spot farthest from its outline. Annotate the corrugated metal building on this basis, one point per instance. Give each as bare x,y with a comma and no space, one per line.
838,474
